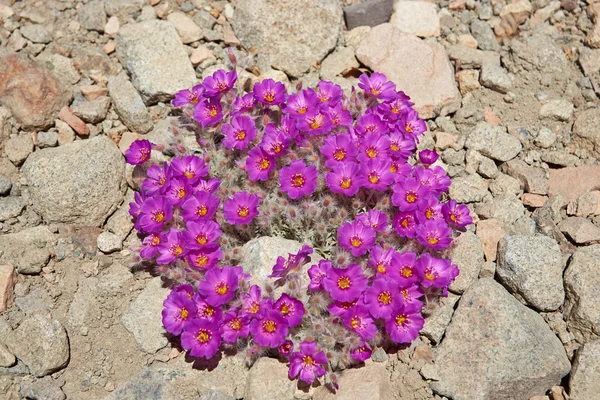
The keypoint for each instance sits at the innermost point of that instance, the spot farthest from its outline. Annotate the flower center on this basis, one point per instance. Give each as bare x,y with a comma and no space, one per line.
222,86
375,91
429,275
285,309
202,210
345,183
432,240
241,135
429,213
269,96
384,298
184,313
158,216
264,164
406,271
155,240
254,309
298,180
176,249
339,154
143,154
201,260
221,288
355,241
373,177
344,282
408,128
394,147
235,324
204,335
381,268
371,152
212,112
453,217
355,322
405,222
269,326
411,197
243,211
308,361
201,239
315,123
209,311
181,193
302,110
401,320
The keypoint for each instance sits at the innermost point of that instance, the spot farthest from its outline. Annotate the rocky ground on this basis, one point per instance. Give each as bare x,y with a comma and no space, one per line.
510,91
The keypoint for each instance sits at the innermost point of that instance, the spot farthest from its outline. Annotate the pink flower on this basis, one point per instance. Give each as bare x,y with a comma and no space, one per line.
374,146
178,191
207,312
316,273
356,237
411,125
239,133
456,214
428,157
178,311
138,152
244,104
430,210
286,348
375,219
208,112
173,248
318,124
370,124
404,269
201,206
157,178
270,330
291,309
219,285
202,339
259,164
408,194
234,326
202,234
376,174
405,323
241,209
275,141
362,352
205,258
151,243
434,234
329,94
338,149
298,180
382,298
190,168
188,96
436,272
345,284
345,178
294,261
154,213
307,363
269,92
302,105
377,86
405,224
220,82
382,261
358,320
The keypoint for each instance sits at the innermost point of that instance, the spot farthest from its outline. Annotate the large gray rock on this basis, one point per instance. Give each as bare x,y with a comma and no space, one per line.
496,348
468,256
468,189
368,382
143,318
580,230
29,250
494,142
584,382
80,183
92,16
154,56
41,343
10,207
582,286
128,104
439,319
586,132
268,379
290,35
531,268
42,389
507,208
430,82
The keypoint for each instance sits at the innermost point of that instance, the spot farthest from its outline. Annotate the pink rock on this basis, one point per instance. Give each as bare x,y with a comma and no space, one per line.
73,121
490,231
92,92
7,284
533,200
420,69
571,182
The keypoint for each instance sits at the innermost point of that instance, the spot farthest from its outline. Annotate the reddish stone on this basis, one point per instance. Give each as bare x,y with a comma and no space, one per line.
7,284
533,200
571,182
93,92
73,121
490,117
490,231
31,92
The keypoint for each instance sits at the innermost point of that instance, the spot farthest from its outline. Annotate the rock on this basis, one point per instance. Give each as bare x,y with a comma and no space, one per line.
468,189
582,286
152,53
61,67
507,208
128,104
545,138
143,318
571,183
589,60
487,168
268,379
92,112
28,250
41,343
468,256
93,62
120,223
97,184
188,31
201,54
494,142
531,268
490,231
150,384
483,33
417,17
18,148
559,109
45,388
7,285
47,139
81,308
65,133
467,40
112,27
371,13
379,355
33,95
108,242
437,322
471,58
5,186
533,179
368,382
505,341
585,368
468,80
338,62
495,78
560,158
430,83
36,33
290,36
92,16
543,14
587,204
7,359
67,115
215,395
505,185
353,37
123,8
93,92
580,230
586,133
533,200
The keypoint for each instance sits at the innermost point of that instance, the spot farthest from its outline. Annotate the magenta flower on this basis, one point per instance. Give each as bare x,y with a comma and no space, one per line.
220,82
358,320
411,125
338,149
241,209
239,133
370,124
428,157
339,308
339,116
234,326
202,234
205,311
405,323
275,142
374,146
401,147
409,194
187,289
244,104
219,285
188,96
259,164
456,214
270,330
286,348
269,92
154,213
345,284
209,186
178,191
302,105
318,124
404,269
201,206
362,352
157,177
329,94
291,309
201,338
135,207
382,298
381,261
298,180
356,237
253,302
190,168
178,311
434,234
377,86
151,243
138,152
205,258
412,294
441,180
405,224
171,249
307,363
436,272
430,210
316,273
375,219
377,175
294,261
392,110
208,112
345,178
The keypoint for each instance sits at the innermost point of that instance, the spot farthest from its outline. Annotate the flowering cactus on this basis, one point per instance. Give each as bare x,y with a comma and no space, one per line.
340,172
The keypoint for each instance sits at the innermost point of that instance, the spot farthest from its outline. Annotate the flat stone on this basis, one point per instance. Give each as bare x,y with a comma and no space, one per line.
7,359
108,242
81,308
120,223
45,388
417,17
65,134
10,207
5,186
32,94
84,196
437,322
589,60
580,230
368,382
558,109
36,33
585,129
468,80
143,318
93,62
128,104
495,78
587,204
505,185
154,56
582,383
188,31
7,286
93,92
490,231
123,8
531,268
494,142
268,379
47,139
18,148
507,208
468,189
582,286
483,33
61,67
371,13
503,341
41,343
290,36
92,112
68,116
533,200
92,16
468,256
430,83
112,27
572,182
471,58
201,54
341,60
533,179
28,250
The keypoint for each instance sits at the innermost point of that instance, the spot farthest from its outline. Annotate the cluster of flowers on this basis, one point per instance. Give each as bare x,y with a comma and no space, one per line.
317,143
